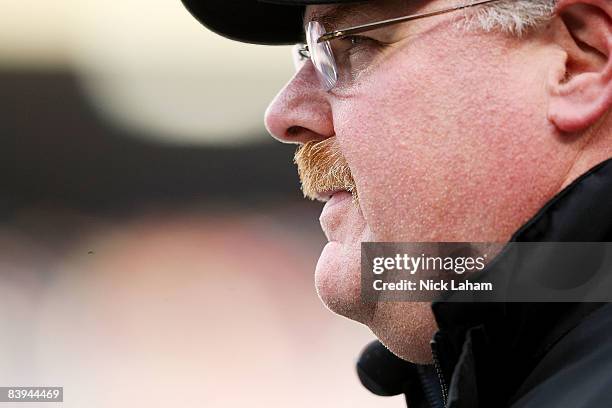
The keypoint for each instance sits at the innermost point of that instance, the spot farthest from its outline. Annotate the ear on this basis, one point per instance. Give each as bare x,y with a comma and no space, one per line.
582,93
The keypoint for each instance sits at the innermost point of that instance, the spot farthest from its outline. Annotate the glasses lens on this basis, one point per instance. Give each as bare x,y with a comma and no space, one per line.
321,55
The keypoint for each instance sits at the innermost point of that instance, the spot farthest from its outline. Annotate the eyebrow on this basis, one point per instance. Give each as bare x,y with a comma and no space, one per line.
337,16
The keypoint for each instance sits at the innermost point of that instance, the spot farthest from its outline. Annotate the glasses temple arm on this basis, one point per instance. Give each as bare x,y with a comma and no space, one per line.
370,26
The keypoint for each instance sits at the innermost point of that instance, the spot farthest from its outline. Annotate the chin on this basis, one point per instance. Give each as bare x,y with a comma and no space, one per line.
405,328
338,281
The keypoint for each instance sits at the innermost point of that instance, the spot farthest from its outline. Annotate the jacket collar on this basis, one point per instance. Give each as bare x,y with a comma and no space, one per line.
522,332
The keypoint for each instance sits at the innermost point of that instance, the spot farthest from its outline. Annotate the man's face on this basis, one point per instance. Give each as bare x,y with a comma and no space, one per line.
446,136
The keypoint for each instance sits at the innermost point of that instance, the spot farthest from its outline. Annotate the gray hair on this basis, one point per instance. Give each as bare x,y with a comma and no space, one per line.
515,17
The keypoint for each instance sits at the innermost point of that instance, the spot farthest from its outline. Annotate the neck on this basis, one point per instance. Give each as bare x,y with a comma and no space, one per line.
596,148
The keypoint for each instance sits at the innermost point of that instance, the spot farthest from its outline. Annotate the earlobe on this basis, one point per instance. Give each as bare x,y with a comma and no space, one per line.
580,103
580,94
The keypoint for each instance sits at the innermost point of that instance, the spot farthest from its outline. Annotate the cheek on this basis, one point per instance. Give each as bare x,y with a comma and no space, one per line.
458,150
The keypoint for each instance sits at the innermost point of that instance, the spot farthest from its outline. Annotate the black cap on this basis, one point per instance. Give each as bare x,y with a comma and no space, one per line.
270,22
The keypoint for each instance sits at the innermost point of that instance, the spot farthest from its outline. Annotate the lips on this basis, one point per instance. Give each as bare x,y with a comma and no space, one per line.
337,197
335,211
326,196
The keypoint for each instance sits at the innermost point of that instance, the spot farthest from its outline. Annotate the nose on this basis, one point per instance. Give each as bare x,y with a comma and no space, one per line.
301,111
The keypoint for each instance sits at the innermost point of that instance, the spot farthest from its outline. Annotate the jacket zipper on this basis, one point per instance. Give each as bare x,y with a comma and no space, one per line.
438,368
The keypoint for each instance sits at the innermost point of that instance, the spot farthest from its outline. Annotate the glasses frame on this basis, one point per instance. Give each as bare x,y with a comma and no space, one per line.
337,34
304,51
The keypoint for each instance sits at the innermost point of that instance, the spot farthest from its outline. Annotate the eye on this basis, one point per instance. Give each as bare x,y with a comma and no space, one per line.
303,51
350,46
358,40
354,54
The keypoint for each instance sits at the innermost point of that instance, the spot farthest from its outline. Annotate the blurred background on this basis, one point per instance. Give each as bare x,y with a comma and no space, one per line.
155,249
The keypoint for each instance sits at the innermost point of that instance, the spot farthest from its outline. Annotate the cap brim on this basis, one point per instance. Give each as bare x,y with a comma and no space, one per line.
276,22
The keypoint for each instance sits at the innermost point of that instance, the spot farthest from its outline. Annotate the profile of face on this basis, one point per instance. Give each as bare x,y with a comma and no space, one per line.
439,133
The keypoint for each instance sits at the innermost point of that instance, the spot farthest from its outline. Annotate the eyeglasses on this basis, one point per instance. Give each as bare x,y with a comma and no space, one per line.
330,59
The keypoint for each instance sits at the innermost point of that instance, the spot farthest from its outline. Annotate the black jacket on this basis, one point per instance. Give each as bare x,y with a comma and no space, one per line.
517,354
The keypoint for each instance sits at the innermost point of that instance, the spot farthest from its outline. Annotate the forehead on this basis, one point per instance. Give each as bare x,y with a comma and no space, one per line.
343,15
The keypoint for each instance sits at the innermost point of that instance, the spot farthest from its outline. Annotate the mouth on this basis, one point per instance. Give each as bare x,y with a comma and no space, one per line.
325,196
337,197
335,213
